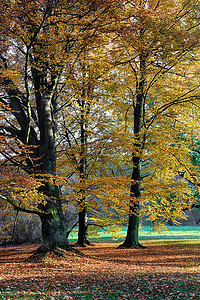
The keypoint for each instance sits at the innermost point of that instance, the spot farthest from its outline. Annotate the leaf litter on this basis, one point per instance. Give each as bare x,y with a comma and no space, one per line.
164,270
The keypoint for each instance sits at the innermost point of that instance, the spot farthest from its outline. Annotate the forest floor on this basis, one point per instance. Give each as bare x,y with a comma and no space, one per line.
163,270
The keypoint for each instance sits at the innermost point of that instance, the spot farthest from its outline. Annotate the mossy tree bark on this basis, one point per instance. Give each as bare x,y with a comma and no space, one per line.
52,218
53,228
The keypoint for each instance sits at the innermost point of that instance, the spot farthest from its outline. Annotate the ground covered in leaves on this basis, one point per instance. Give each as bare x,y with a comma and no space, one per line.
164,270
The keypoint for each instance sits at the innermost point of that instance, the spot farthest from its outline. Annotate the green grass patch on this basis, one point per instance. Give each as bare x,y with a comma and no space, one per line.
145,233
24,295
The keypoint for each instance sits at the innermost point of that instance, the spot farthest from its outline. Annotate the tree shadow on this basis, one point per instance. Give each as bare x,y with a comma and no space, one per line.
164,255
17,253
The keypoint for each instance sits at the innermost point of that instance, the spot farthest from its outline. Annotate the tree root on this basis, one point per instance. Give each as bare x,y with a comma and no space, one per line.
78,244
44,251
129,246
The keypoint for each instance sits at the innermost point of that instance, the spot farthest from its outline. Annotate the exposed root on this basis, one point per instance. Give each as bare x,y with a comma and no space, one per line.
129,246
43,249
60,252
78,244
87,243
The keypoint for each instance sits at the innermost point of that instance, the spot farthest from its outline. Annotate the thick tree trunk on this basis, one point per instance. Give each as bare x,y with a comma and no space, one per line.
42,160
53,229
132,232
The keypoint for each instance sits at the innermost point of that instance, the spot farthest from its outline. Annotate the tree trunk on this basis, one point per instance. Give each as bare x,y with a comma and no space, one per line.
53,229
133,222
37,129
132,232
83,220
83,228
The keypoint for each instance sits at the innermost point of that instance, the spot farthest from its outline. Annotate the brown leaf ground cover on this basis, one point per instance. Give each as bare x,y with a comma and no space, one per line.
164,270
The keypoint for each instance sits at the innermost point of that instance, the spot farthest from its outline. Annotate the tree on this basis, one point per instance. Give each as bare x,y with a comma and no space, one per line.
31,50
85,136
42,41
155,41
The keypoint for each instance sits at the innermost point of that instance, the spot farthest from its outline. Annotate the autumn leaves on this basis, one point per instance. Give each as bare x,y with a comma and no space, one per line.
95,93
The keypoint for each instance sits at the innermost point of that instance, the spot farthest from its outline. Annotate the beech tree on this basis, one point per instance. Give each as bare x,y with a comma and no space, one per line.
27,56
74,146
85,147
156,42
41,42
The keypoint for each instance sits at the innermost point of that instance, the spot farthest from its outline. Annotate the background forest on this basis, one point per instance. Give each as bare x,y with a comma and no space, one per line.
99,116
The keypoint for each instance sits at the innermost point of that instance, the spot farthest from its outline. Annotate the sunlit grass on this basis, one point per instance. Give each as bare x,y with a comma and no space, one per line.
145,233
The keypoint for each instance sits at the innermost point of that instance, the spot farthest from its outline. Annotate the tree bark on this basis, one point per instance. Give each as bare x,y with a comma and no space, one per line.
83,228
52,218
53,229
133,221
83,220
135,192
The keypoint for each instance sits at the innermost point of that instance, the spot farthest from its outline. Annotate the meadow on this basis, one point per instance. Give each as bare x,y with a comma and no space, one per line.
145,233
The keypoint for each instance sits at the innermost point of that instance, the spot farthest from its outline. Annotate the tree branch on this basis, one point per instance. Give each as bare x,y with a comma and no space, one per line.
18,208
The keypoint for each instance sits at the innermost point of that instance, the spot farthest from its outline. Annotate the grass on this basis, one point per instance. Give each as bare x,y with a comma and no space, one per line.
32,296
145,233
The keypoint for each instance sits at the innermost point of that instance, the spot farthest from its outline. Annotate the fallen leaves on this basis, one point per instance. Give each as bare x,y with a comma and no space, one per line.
167,270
